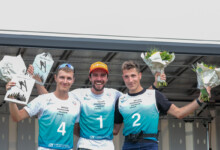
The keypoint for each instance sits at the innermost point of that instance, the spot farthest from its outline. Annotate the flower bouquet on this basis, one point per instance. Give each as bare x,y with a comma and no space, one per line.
157,61
207,76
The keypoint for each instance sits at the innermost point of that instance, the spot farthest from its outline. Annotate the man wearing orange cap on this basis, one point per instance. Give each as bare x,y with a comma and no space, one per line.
97,110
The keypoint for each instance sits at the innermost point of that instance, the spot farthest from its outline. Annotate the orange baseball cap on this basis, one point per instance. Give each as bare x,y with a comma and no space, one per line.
98,65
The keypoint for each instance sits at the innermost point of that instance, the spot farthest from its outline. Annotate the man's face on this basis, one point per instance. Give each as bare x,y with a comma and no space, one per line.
98,79
64,80
132,80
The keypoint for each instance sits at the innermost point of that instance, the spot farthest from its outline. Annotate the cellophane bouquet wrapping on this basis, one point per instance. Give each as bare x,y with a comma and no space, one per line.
11,65
157,61
207,76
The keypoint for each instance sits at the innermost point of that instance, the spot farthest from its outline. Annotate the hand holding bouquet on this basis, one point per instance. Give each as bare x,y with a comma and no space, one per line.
208,76
157,61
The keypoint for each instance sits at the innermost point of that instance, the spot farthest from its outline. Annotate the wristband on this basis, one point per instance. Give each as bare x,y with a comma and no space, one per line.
198,101
154,87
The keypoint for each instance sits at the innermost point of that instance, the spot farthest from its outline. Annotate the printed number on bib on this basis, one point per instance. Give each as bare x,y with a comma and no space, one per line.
62,128
137,116
101,121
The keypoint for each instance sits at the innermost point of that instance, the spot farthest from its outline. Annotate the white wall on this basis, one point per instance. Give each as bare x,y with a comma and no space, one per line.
133,20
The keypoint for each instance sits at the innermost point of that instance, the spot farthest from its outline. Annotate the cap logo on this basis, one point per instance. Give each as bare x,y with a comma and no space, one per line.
98,65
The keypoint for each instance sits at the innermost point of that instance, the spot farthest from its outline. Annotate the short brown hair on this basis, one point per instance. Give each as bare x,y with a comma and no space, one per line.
127,65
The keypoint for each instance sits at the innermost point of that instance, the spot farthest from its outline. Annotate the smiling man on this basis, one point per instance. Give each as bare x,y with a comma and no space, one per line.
97,110
139,110
57,112
96,123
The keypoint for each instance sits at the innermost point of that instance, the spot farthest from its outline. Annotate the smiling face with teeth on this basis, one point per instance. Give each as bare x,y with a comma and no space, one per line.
98,78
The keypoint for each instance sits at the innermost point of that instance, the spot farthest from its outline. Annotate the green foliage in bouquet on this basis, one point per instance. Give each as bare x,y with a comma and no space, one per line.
159,84
164,54
150,53
204,93
209,66
195,69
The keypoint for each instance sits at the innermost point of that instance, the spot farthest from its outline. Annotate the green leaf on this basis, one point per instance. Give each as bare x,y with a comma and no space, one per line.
161,84
199,70
204,95
164,55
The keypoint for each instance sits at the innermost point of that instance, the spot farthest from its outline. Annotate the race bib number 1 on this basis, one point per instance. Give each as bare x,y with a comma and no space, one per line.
101,121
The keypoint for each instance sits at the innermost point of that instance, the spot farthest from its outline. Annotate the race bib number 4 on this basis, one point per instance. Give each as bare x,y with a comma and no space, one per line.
62,128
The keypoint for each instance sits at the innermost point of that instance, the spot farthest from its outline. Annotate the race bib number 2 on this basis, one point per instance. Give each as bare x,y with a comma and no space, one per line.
137,117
